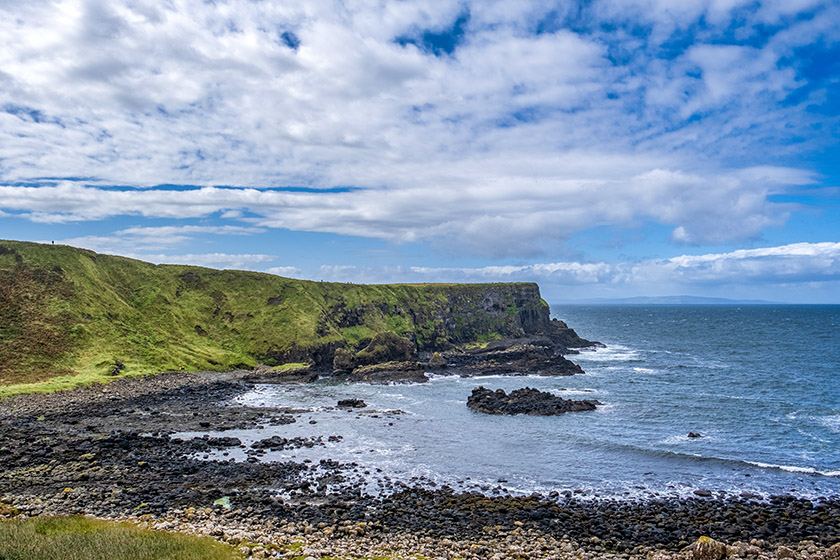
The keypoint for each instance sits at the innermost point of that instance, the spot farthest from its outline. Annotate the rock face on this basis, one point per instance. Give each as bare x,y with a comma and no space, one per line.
524,401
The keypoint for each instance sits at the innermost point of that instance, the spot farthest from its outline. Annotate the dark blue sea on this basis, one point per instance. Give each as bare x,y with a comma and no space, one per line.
761,384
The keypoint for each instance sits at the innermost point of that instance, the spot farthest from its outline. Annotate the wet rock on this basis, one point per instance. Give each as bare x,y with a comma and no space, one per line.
524,401
694,435
352,403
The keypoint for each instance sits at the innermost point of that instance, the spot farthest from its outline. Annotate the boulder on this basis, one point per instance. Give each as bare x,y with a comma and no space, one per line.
343,360
785,553
437,361
707,549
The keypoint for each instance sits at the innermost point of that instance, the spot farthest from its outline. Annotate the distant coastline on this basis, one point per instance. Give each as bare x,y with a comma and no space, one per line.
669,300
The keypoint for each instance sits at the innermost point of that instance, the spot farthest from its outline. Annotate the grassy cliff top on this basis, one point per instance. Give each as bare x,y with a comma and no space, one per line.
71,316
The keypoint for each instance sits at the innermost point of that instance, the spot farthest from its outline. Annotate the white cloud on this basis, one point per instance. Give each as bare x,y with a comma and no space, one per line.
212,260
149,238
492,217
286,271
796,262
514,138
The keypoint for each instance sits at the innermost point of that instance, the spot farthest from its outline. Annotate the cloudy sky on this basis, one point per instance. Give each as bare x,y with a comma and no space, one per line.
604,148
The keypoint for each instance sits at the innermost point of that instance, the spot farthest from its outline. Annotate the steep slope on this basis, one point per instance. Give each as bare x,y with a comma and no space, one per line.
72,312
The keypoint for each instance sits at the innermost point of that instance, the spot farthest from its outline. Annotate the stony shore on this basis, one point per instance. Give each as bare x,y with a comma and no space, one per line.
109,451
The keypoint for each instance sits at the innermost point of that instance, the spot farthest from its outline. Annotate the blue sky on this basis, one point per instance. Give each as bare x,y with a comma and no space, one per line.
602,148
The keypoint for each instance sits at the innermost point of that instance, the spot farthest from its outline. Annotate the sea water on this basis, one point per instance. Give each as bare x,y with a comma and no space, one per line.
761,384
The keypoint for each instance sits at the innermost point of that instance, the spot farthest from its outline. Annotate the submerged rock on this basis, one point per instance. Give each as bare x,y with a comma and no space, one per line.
524,401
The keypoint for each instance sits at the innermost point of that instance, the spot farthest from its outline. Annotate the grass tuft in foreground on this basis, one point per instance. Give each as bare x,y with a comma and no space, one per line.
81,538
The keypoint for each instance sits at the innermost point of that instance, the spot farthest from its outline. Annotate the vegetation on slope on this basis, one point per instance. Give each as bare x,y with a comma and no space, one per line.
81,538
69,315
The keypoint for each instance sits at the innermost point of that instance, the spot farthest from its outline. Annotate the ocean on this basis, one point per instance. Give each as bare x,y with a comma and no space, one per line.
761,384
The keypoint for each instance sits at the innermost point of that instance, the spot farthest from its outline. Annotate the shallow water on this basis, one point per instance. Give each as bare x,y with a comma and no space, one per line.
761,384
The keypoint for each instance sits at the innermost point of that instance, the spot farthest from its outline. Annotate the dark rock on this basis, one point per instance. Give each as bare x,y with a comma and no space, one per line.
560,333
352,403
524,401
694,435
703,493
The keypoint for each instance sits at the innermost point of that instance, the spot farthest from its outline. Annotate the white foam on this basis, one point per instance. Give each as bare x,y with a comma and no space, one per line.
441,376
605,408
794,469
644,370
670,440
831,422
567,392
612,353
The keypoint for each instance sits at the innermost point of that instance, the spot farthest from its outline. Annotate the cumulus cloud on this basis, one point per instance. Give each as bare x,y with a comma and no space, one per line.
534,123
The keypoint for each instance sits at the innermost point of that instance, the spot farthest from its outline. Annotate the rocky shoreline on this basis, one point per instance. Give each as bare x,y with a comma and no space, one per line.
111,451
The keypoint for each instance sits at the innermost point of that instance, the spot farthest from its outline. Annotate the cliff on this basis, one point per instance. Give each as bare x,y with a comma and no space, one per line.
73,315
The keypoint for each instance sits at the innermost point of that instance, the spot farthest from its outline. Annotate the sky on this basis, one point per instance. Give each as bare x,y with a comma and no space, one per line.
603,148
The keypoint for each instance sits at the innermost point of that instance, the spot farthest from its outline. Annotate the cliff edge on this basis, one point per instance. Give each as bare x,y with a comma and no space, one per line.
73,315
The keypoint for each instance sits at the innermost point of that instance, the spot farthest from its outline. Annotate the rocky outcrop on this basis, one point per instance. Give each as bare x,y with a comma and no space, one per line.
386,358
522,356
388,372
564,337
386,347
524,401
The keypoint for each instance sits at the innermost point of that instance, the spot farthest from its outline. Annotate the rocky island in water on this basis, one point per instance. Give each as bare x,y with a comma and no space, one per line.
85,430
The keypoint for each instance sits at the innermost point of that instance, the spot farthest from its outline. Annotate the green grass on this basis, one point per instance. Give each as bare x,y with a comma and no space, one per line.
81,538
69,316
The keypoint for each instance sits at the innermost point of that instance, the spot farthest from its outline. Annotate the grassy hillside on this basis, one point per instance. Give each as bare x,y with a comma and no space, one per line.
69,315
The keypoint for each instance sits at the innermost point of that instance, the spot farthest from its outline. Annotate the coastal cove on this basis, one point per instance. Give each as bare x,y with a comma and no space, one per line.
766,406
408,467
